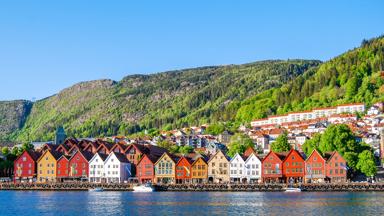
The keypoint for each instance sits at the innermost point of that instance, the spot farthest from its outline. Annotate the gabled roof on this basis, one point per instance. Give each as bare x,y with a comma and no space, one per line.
86,155
174,158
213,156
122,147
280,156
314,150
55,154
121,157
152,158
64,157
188,159
291,152
102,156
33,154
237,155
249,151
250,156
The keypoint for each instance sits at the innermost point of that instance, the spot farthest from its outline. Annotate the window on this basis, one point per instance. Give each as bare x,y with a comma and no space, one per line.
24,158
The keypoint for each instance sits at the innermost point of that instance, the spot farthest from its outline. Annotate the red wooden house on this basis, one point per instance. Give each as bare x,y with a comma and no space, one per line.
62,168
272,167
336,167
25,166
183,170
294,167
146,168
79,165
315,167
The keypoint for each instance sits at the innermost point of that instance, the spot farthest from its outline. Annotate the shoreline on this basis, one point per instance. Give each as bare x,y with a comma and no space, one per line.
348,187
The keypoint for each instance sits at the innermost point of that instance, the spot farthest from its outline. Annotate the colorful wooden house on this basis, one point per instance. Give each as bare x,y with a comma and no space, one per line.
119,148
253,168
218,168
237,169
183,170
165,169
62,168
272,167
46,166
294,167
199,169
145,169
336,167
117,168
79,165
91,147
315,168
104,148
25,166
96,168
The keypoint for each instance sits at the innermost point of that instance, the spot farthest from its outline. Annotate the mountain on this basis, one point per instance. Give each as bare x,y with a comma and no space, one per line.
13,115
162,100
235,93
355,76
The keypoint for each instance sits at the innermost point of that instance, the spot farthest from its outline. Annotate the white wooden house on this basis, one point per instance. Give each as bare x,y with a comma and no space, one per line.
253,169
237,169
96,168
117,168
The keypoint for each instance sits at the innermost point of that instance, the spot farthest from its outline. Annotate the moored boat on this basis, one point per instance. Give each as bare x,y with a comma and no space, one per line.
144,188
97,189
292,189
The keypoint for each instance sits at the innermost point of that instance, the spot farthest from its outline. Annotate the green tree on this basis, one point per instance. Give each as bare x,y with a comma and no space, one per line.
311,144
186,150
27,147
165,144
352,159
281,144
5,150
215,129
339,138
239,143
174,149
367,163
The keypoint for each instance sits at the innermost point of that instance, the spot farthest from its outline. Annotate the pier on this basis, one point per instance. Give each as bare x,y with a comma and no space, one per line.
353,187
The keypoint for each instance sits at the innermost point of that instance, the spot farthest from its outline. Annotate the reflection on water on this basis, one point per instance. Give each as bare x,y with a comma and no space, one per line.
190,203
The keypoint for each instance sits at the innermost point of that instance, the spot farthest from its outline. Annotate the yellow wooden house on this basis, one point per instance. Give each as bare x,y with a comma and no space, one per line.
46,166
199,170
165,169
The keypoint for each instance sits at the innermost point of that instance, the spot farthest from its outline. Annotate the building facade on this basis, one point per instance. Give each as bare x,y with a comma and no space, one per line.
218,168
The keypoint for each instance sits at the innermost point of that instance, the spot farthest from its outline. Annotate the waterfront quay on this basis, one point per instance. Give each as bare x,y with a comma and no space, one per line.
351,187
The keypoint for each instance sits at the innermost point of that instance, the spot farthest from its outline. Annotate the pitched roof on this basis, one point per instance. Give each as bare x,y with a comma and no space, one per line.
121,157
249,151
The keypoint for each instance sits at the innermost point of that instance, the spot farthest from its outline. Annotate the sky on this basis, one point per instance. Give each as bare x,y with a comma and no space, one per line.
46,46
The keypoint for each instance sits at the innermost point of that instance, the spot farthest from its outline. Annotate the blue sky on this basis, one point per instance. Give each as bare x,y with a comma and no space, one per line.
46,46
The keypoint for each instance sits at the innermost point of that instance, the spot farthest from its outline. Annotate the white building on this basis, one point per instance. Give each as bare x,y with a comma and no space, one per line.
307,115
96,168
253,169
117,168
237,172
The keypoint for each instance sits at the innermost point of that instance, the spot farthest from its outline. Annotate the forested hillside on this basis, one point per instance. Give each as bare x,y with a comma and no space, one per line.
232,93
355,76
163,100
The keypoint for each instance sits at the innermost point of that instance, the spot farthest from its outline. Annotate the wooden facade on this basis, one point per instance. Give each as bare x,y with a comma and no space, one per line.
294,167
165,169
315,168
199,170
272,168
218,168
25,167
183,170
336,168
46,166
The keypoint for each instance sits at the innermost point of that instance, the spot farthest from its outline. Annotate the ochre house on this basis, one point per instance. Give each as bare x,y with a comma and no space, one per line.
199,170
46,166
165,169
218,168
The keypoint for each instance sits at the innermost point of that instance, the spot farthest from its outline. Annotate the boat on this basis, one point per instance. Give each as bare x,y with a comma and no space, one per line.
292,189
97,189
144,188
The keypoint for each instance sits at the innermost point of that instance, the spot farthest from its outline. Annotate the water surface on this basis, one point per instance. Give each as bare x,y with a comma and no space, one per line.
190,203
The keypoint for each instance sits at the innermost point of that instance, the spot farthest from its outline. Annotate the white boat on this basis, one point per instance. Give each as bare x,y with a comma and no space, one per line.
144,188
291,189
98,189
